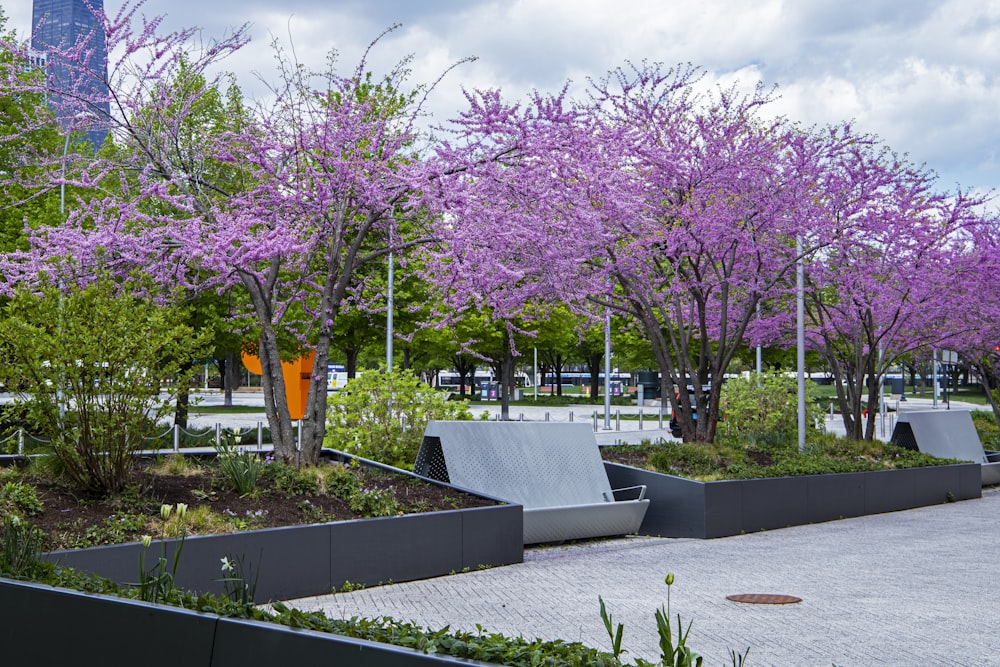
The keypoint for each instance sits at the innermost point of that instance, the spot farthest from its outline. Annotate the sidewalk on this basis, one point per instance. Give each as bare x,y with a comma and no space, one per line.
901,589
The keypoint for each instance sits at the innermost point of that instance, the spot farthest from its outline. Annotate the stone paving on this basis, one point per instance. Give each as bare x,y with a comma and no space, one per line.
907,588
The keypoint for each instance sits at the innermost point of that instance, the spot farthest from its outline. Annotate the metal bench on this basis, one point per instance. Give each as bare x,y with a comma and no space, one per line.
554,471
948,434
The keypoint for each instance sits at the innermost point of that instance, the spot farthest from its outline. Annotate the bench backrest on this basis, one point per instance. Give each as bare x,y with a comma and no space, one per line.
535,464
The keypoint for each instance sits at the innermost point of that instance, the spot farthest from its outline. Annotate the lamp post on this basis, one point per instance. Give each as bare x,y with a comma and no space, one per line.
389,304
800,339
607,369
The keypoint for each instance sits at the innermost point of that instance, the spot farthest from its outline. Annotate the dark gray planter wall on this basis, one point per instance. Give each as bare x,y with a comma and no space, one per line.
40,625
684,508
299,561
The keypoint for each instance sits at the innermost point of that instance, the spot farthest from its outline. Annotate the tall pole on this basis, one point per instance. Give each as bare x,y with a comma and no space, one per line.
534,374
800,338
607,369
934,370
389,304
760,361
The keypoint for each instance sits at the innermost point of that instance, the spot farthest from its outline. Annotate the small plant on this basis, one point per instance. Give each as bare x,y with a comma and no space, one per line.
672,653
239,580
157,583
18,497
22,546
240,468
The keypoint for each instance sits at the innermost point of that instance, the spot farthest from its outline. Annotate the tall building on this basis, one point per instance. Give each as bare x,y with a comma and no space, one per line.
66,22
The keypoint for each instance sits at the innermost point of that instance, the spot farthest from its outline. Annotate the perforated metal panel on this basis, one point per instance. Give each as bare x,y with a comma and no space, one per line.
948,434
534,464
553,470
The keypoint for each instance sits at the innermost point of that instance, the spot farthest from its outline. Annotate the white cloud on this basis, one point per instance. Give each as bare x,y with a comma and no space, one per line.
920,73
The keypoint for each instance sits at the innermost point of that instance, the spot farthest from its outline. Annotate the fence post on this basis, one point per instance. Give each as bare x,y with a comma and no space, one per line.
177,438
218,435
260,436
595,421
20,442
546,416
640,419
618,420
571,416
659,413
520,417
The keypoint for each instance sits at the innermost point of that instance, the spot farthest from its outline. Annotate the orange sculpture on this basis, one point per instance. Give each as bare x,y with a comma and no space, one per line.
296,374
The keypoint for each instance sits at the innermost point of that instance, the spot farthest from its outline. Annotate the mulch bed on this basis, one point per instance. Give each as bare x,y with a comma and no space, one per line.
74,519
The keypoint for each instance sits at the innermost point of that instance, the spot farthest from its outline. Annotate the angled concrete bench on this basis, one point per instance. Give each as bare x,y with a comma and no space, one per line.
947,434
554,471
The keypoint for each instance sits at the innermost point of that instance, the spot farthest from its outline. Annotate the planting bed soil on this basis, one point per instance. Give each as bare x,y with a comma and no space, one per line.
71,519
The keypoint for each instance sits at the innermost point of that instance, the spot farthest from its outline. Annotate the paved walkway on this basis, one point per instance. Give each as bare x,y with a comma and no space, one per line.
908,588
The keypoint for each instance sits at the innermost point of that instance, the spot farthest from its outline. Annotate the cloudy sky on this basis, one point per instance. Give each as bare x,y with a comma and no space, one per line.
921,74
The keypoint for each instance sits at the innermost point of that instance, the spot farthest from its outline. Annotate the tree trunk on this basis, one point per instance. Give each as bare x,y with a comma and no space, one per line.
231,366
594,366
351,360
506,380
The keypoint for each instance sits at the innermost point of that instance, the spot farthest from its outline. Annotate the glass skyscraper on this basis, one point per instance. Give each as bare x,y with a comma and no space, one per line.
66,22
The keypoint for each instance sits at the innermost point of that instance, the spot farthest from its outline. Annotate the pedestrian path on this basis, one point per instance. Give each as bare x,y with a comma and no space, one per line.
907,588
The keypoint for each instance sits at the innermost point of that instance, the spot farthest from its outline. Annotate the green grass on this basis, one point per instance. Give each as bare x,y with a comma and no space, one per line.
827,393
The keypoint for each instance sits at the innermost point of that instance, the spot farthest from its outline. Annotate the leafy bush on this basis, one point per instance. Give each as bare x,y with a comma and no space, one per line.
292,481
19,498
106,354
765,404
382,416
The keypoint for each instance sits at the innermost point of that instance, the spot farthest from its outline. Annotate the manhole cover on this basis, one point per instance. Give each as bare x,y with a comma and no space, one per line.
764,598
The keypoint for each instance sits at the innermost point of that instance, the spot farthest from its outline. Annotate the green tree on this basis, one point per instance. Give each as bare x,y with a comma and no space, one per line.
96,362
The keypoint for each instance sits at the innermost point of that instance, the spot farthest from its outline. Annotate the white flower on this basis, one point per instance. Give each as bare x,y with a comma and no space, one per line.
146,541
227,566
182,509
165,511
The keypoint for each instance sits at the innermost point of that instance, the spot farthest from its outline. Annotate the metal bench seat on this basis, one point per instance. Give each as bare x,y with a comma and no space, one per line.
554,471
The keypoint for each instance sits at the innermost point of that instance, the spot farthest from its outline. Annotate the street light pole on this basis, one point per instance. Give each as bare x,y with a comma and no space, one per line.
800,339
607,370
389,304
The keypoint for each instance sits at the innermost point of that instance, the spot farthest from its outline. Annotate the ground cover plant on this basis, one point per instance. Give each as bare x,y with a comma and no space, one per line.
282,495
749,456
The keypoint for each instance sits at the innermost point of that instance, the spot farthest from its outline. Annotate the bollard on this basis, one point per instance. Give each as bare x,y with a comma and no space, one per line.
546,416
595,421
618,420
177,438
298,437
218,435
520,417
660,418
571,416
260,436
640,420
20,442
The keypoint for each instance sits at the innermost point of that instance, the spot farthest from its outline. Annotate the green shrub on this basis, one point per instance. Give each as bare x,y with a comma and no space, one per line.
382,416
765,404
107,354
19,498
291,481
